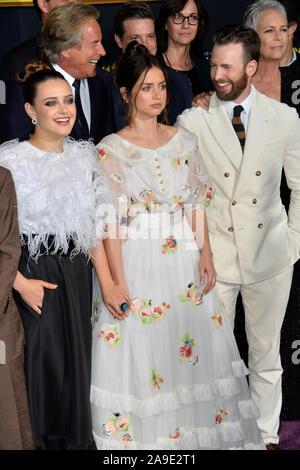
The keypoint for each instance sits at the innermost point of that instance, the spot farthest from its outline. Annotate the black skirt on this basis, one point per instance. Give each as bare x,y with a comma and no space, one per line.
58,352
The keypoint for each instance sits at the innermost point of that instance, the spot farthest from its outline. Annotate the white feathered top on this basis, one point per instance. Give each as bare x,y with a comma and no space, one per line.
58,195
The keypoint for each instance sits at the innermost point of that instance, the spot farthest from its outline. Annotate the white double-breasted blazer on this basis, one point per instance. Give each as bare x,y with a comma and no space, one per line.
251,236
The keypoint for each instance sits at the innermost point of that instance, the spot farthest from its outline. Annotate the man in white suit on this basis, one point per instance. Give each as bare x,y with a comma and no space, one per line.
254,243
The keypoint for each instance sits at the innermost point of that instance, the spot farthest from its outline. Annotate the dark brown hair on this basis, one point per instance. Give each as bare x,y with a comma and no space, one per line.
237,34
131,11
171,7
35,72
131,65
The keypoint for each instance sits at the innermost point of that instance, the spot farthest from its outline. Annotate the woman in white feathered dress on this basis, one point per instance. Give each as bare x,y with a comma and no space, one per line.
59,188
169,375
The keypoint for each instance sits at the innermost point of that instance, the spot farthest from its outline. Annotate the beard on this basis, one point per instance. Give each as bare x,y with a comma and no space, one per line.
235,91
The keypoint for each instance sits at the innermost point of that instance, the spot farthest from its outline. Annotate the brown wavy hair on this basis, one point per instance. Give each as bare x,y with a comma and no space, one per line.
36,72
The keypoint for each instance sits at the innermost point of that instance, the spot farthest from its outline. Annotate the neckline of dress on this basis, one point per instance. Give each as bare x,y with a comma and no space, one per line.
43,151
146,148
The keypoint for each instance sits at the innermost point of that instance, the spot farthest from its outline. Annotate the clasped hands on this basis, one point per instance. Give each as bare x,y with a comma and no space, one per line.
114,295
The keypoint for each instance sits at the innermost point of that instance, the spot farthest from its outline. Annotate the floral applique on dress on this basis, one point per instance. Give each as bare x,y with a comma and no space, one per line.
116,178
175,435
217,319
177,204
146,312
179,163
147,194
194,360
150,203
220,416
193,295
207,193
126,438
170,246
132,154
186,348
110,335
155,379
102,155
116,424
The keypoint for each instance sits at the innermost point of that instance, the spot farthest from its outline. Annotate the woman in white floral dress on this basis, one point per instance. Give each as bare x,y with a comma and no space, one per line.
166,374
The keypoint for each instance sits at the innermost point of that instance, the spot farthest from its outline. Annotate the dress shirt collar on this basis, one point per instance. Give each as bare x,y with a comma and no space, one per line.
84,91
247,103
65,74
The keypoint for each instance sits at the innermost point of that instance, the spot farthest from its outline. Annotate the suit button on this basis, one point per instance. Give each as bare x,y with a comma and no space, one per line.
254,201
258,173
234,203
260,225
230,229
226,174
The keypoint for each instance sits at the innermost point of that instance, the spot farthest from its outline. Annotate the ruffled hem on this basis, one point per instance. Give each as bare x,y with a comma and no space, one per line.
170,401
219,438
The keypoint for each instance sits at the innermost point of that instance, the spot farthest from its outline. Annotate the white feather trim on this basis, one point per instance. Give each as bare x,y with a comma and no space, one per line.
58,195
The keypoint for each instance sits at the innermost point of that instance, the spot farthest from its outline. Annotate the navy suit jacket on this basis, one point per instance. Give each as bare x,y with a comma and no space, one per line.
15,123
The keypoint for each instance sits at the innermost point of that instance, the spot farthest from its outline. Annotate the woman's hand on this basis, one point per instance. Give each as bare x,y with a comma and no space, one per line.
32,291
114,296
206,266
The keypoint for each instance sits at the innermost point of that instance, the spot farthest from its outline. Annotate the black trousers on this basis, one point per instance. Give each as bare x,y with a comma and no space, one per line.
58,352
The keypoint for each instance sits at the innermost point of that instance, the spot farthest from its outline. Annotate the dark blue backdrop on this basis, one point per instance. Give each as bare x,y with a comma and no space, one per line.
19,23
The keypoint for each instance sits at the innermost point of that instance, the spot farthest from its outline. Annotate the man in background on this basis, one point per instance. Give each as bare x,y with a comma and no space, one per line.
71,43
16,59
136,21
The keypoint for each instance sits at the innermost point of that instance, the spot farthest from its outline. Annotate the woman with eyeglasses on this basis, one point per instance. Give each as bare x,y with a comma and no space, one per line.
181,25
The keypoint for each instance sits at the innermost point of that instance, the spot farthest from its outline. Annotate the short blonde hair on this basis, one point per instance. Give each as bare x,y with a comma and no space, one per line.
62,29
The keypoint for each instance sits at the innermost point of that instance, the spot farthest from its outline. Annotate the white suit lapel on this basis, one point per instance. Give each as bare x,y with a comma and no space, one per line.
256,137
221,127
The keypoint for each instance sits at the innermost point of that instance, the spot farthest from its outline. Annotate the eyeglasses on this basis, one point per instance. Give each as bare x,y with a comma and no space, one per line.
178,18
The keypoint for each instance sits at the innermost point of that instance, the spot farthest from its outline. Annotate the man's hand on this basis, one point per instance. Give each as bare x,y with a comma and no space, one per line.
202,100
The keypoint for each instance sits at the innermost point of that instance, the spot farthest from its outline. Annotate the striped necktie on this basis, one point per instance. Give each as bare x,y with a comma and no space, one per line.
238,125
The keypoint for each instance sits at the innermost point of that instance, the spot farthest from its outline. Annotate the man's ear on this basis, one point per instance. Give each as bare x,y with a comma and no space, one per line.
43,6
118,41
65,54
251,68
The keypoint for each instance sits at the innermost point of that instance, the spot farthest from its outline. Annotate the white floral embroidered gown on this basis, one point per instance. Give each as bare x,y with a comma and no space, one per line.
169,376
